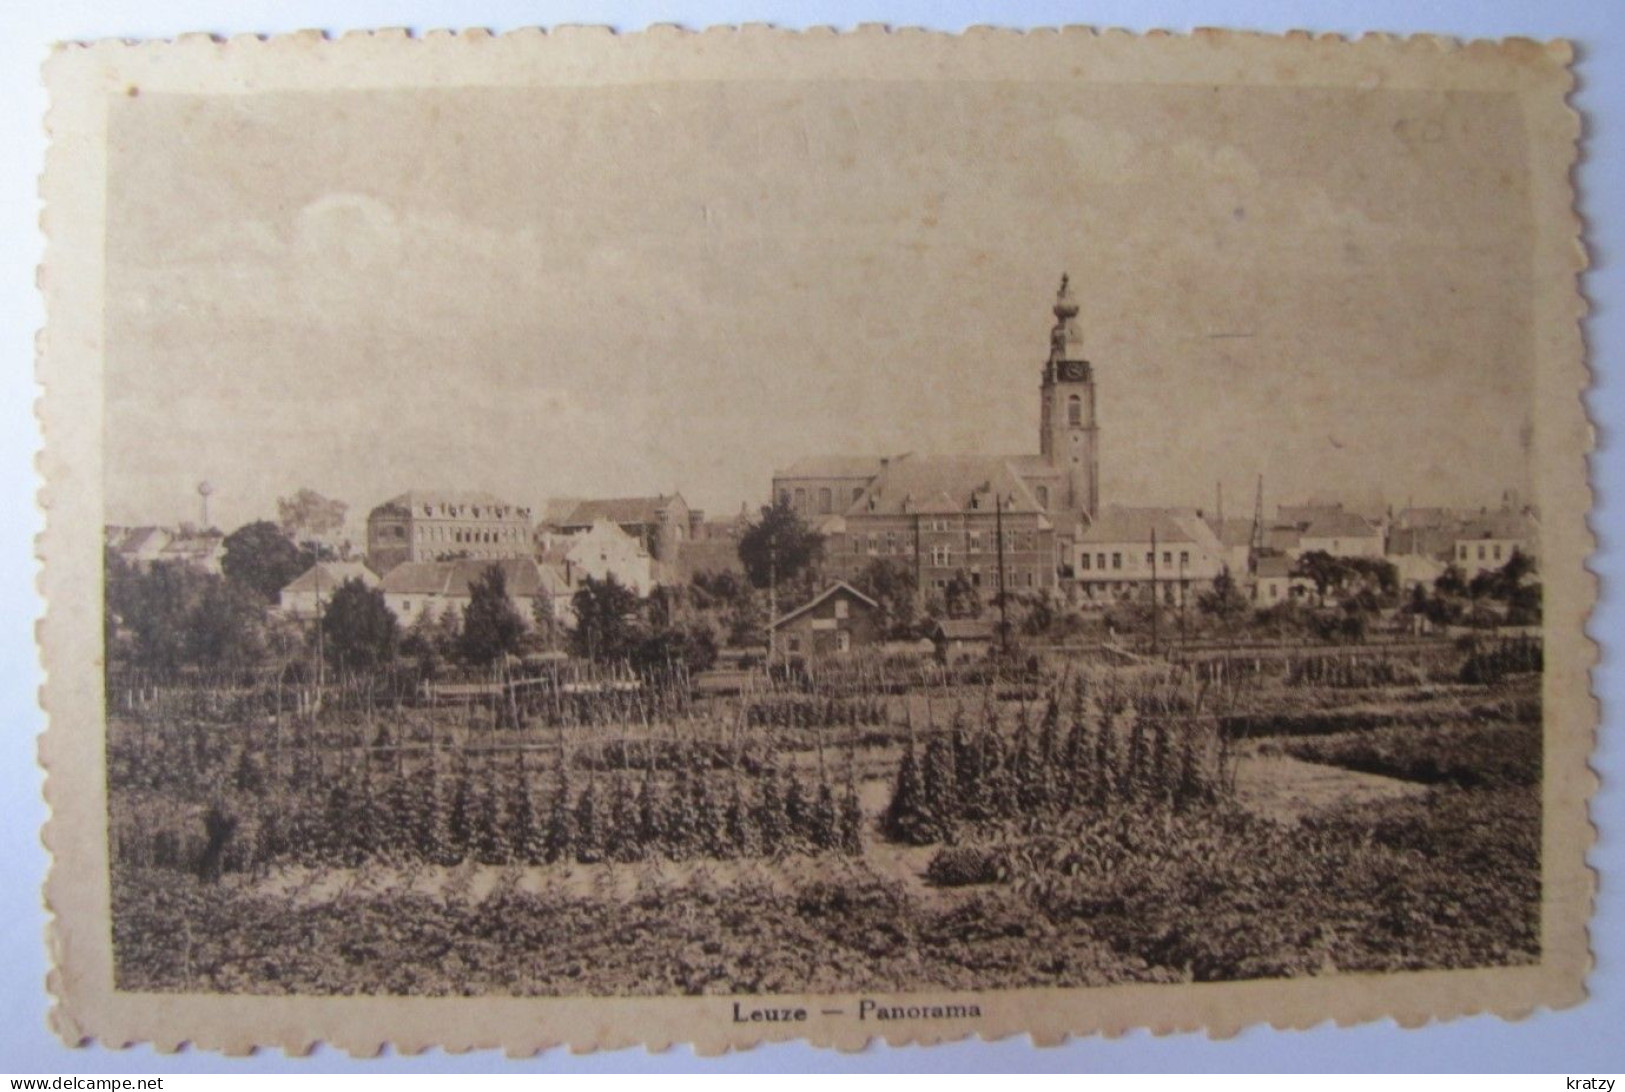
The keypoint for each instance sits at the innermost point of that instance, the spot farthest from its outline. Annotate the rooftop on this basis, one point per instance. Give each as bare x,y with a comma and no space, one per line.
452,578
945,484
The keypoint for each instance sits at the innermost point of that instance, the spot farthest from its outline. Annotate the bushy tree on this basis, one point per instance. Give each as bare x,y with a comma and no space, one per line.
225,626
261,557
1224,601
960,597
778,546
359,631
307,515
606,628
492,626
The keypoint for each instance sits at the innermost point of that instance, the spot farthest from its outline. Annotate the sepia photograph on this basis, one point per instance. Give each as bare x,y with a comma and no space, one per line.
827,534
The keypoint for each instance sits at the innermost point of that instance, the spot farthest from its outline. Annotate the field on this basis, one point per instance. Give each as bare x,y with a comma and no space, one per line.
1067,823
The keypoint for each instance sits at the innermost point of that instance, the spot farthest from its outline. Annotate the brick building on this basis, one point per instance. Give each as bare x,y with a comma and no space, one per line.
430,526
940,514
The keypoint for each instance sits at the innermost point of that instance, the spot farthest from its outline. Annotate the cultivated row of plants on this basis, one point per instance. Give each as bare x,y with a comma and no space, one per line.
1152,745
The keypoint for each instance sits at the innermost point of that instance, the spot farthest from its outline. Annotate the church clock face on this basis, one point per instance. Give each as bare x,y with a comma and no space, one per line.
1074,370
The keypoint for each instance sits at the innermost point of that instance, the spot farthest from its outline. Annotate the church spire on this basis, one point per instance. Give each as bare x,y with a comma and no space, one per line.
1064,336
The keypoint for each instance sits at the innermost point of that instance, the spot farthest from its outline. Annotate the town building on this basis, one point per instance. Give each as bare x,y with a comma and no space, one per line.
662,523
414,589
143,547
933,512
940,516
1339,533
313,589
1128,551
440,526
1488,541
602,551
834,622
1274,583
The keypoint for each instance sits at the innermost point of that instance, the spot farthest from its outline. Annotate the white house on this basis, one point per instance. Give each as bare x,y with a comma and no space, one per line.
1488,541
1340,534
314,588
1273,581
414,588
1126,548
604,549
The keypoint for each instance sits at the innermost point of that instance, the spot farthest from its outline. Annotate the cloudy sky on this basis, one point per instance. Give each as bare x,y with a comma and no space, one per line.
613,291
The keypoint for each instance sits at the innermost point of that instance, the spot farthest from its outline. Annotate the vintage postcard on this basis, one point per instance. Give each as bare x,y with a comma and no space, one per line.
593,539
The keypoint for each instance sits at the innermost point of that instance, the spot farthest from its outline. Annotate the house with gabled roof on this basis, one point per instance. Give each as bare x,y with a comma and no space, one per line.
1127,553
834,622
311,590
417,588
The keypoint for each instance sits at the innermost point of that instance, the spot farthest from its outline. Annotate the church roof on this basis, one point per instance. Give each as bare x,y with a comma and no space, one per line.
833,466
944,484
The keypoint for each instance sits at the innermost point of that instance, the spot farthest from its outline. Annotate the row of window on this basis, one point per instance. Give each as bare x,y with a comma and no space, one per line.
1018,578
1462,551
894,544
1098,561
1133,589
824,497
469,535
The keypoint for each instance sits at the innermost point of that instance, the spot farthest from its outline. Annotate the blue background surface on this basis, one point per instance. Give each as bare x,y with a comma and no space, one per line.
1580,1040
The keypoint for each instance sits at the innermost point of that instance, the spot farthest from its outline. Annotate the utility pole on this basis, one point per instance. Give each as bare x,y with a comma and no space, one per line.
1256,545
998,533
1182,596
1154,605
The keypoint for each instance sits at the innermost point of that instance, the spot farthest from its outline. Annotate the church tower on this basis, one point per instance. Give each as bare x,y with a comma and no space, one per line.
1068,437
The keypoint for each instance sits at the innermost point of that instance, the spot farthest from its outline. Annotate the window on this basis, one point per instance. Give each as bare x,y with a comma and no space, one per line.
406,606
1043,496
842,608
801,499
976,542
1497,550
1481,553
843,641
1184,557
1275,591
826,502
1083,562
942,556
976,578
1117,561
857,544
1167,557
1074,411
1100,562
1150,558
795,644
891,542
1461,553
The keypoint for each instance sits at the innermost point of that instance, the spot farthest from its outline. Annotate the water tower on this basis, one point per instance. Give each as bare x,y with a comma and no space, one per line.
204,489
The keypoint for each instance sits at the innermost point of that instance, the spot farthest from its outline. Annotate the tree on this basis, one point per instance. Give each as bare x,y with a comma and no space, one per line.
492,627
1224,600
544,621
892,585
260,557
1326,571
960,597
606,620
777,548
225,626
307,516
359,631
